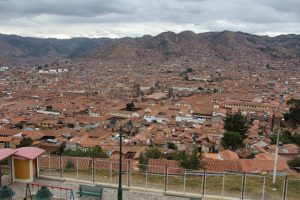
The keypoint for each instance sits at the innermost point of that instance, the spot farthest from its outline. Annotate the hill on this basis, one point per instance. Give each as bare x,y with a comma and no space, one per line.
209,48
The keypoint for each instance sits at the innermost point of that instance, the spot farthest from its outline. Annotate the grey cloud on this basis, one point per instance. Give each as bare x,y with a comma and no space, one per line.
119,16
65,7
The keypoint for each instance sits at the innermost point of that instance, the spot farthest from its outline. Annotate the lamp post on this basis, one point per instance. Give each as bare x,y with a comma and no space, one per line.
276,152
120,193
128,126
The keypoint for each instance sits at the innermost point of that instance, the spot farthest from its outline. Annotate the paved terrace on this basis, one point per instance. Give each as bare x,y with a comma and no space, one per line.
108,194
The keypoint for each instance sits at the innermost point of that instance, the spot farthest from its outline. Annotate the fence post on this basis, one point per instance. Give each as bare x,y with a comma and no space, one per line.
77,168
203,182
166,176
223,183
184,177
49,166
93,169
60,166
146,178
110,171
128,173
243,185
285,187
263,192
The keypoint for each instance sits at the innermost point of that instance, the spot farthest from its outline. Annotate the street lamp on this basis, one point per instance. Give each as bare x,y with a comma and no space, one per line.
276,152
128,126
120,193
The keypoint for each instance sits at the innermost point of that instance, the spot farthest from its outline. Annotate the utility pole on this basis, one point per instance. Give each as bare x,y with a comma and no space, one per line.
128,127
276,153
120,192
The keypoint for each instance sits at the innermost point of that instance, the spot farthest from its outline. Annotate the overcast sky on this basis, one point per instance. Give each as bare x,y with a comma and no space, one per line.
120,18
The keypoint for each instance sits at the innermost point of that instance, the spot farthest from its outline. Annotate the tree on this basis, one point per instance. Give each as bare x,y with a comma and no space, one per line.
129,126
187,161
236,123
70,165
142,162
112,123
171,145
95,152
20,125
70,125
153,153
295,162
183,158
293,116
129,106
232,140
287,138
194,160
251,156
61,148
49,108
189,70
25,142
297,139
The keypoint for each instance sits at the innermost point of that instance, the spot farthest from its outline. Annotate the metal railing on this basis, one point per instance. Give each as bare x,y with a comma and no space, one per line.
171,180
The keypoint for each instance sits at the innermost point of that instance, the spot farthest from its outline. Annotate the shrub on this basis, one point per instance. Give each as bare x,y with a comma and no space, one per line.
70,164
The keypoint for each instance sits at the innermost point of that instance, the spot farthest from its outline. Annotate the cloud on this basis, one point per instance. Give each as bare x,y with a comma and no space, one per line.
120,18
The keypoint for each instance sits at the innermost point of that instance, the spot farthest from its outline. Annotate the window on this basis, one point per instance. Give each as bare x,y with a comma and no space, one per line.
6,144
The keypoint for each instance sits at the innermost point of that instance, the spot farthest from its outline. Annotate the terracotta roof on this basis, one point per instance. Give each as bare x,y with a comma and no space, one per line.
29,152
159,166
264,156
222,165
213,156
5,153
259,166
228,155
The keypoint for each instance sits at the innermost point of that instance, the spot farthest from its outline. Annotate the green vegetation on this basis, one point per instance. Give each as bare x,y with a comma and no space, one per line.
192,161
287,138
232,140
129,106
25,142
70,125
142,162
187,161
251,156
70,165
293,116
49,108
189,70
171,145
236,123
20,125
94,152
112,123
295,162
153,153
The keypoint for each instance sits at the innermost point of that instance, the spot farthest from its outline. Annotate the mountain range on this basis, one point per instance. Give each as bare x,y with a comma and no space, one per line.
187,45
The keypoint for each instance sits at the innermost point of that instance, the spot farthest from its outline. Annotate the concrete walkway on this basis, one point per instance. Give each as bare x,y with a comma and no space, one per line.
108,194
